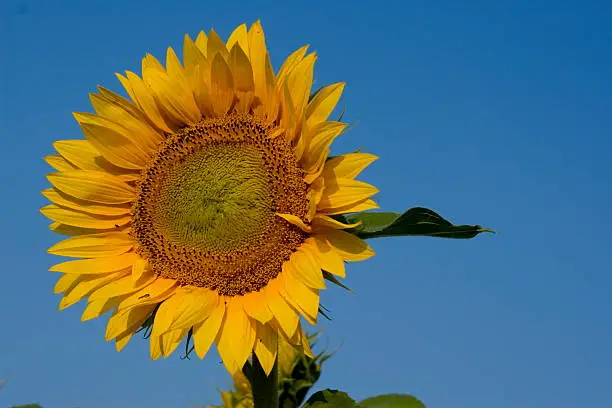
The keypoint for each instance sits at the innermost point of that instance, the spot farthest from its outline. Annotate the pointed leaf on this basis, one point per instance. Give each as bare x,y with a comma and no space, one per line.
328,276
330,399
416,221
392,401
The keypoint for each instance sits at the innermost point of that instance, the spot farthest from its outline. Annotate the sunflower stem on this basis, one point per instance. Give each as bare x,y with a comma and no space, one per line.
265,387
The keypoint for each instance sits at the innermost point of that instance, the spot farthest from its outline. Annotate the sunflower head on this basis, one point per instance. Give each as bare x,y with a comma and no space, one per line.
205,202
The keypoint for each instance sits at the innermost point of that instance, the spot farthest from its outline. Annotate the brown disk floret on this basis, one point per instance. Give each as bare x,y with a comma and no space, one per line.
205,213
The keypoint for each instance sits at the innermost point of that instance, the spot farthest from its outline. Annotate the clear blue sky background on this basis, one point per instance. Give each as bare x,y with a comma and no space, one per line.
496,113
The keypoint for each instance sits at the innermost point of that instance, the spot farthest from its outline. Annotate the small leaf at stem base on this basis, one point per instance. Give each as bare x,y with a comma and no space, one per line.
392,401
330,399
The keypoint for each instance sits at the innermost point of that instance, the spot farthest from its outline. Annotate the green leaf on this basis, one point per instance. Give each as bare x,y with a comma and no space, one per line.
330,398
322,312
335,281
392,401
27,406
416,221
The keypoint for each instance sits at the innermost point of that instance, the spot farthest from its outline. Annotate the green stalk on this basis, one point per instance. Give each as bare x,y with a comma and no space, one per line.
265,387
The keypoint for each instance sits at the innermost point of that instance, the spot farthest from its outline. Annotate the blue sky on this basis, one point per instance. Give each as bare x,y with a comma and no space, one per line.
496,113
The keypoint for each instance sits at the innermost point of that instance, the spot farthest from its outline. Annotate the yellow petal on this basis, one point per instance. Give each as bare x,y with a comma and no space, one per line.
302,138
363,205
153,294
202,43
288,120
83,155
95,186
329,259
201,303
299,82
67,282
174,101
206,332
348,246
317,150
97,265
87,285
186,83
237,337
122,112
202,93
125,82
290,63
192,56
59,163
344,192
98,307
172,339
186,308
73,231
121,123
149,62
142,95
298,342
295,220
155,347
323,222
239,37
243,79
257,55
270,110
221,85
266,92
266,346
122,341
303,341
314,195
215,45
115,148
120,287
92,246
177,73
64,200
323,103
270,79
284,314
125,104
287,354
140,268
197,72
306,268
254,304
242,72
127,177
128,320
300,296
347,165
82,219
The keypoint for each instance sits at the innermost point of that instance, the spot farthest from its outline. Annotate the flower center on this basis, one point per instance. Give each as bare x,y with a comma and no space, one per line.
215,199
205,211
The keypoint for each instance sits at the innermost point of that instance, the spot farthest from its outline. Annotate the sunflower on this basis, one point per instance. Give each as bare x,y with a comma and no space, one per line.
205,202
